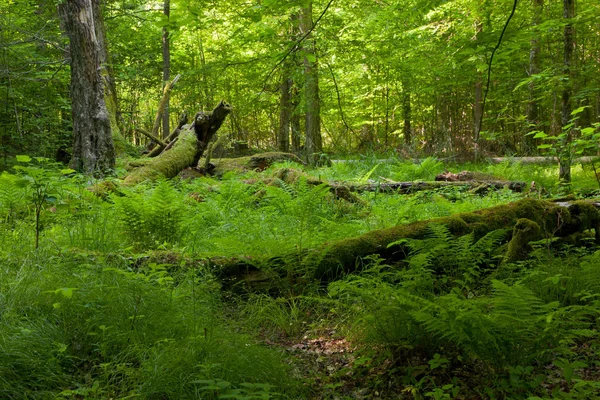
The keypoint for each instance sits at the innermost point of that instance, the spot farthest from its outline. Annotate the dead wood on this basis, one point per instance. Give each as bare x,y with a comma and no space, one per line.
188,149
411,187
144,132
183,119
162,104
334,260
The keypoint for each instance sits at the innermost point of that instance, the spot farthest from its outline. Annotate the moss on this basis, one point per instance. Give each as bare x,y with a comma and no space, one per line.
168,164
551,219
525,231
257,162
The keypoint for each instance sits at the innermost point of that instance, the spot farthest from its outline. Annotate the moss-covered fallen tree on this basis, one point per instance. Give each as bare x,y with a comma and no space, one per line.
188,149
545,219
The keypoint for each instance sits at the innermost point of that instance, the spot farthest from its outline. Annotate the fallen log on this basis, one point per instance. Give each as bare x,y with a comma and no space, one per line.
256,162
332,261
188,149
410,187
183,119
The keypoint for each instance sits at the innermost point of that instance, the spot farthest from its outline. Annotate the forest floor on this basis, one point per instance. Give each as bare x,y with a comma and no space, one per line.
132,295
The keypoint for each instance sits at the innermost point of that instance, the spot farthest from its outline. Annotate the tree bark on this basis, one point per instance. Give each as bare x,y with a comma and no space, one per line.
406,112
529,146
93,148
564,174
188,149
285,110
110,88
166,53
334,260
313,142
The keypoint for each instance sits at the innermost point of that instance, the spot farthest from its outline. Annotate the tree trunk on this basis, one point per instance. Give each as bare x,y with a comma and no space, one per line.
93,148
529,146
564,175
285,110
295,119
313,144
334,260
406,112
110,88
166,53
188,149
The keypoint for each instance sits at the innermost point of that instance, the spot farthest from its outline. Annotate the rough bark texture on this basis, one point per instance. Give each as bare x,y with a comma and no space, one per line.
93,148
313,142
188,149
285,110
569,47
529,145
110,88
336,259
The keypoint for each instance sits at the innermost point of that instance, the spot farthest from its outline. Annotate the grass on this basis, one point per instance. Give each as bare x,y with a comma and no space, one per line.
91,314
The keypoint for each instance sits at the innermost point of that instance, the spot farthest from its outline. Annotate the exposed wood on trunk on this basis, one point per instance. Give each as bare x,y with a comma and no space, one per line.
188,149
163,104
151,136
183,119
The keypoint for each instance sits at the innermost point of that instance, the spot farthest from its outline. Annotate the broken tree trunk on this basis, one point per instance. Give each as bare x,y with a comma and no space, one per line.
188,149
183,119
334,260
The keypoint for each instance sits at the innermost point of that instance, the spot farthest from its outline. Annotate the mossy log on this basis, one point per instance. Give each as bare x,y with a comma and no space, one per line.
188,149
335,260
410,187
256,162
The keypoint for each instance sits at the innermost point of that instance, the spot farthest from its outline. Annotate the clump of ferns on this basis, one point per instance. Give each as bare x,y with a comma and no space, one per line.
456,261
152,219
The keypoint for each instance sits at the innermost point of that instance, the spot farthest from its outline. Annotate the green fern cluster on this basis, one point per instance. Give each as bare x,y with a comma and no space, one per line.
443,301
458,260
152,219
12,196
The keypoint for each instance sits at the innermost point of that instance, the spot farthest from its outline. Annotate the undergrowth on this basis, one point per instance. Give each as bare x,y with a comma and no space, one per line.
116,296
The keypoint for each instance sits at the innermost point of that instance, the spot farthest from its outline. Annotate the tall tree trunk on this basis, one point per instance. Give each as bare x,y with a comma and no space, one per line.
478,103
406,112
295,118
166,53
313,144
529,146
93,148
110,88
569,47
285,111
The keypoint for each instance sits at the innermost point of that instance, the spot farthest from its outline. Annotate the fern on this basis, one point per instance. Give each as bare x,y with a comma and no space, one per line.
152,220
12,195
460,259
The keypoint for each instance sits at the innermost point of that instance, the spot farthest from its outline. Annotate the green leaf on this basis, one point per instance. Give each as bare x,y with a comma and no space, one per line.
311,57
23,159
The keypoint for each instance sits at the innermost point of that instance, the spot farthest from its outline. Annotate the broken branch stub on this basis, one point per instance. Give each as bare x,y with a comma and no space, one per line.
188,149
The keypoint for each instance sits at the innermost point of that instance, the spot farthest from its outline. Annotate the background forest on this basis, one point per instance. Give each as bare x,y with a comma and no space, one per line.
409,76
340,266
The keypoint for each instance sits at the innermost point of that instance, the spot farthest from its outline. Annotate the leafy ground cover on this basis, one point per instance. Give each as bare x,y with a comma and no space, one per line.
111,296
